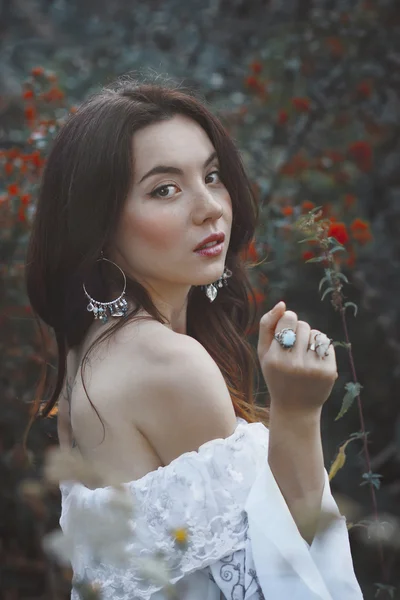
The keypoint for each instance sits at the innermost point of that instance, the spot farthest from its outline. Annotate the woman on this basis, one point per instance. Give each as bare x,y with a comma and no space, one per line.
137,181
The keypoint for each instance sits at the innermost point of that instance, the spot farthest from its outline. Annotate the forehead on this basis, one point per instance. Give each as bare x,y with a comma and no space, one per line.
177,142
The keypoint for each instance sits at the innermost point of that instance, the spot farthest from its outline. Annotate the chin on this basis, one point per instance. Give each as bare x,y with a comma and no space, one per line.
210,278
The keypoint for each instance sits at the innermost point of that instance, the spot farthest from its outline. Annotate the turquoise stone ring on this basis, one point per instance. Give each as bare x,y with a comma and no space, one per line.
286,338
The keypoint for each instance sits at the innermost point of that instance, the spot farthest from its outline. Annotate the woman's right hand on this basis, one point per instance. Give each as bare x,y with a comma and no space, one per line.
298,379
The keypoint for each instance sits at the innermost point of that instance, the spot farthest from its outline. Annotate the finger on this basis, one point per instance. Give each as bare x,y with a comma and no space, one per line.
318,338
326,360
302,338
268,323
287,321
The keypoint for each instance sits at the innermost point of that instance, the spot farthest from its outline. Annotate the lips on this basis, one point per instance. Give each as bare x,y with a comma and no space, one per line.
214,237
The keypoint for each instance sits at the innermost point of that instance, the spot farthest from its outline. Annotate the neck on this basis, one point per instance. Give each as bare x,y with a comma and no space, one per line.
176,315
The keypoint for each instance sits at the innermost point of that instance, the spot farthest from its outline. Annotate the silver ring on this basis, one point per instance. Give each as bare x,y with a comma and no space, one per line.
314,346
286,338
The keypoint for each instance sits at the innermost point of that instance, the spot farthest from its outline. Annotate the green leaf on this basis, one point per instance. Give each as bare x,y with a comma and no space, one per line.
346,304
329,289
384,587
316,259
360,434
314,210
333,240
321,283
343,344
357,435
336,249
341,276
352,391
372,478
309,239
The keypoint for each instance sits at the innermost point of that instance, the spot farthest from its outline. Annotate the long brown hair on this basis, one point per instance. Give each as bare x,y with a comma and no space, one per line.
84,186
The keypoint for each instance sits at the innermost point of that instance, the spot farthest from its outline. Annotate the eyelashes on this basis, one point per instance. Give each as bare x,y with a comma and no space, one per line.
157,193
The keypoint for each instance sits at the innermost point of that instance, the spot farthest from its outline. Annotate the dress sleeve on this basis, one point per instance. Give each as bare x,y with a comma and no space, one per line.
277,562
227,499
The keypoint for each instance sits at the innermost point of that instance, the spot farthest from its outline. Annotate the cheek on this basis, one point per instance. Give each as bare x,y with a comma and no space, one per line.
227,203
156,229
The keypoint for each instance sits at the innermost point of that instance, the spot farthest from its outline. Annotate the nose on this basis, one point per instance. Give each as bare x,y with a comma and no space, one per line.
207,206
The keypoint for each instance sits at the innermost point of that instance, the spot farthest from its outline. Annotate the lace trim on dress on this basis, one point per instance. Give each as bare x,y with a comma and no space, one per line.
204,491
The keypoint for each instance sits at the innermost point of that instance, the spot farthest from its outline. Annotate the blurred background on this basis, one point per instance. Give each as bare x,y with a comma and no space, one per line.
310,91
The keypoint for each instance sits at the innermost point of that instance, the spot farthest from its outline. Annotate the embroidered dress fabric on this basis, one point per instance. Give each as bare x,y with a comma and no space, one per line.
243,543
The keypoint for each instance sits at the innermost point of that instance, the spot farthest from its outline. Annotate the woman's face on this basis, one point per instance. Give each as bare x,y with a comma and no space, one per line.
167,214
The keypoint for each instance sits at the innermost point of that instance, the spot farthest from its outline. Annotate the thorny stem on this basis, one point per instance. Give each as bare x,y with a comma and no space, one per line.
337,303
365,443
319,230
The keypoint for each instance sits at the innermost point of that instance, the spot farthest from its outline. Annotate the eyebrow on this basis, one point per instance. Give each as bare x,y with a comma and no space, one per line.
159,169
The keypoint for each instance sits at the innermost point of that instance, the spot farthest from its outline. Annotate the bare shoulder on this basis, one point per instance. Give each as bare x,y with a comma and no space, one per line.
180,399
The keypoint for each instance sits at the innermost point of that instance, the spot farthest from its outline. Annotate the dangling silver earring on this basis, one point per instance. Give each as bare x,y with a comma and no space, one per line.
116,308
212,288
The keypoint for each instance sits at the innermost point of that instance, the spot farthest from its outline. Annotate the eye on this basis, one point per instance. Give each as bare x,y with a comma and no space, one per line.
159,192
217,173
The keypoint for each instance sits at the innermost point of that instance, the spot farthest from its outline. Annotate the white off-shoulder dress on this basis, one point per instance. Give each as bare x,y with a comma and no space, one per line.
243,543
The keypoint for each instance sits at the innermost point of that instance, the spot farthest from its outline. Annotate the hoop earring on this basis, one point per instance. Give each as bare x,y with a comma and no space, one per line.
116,308
211,289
